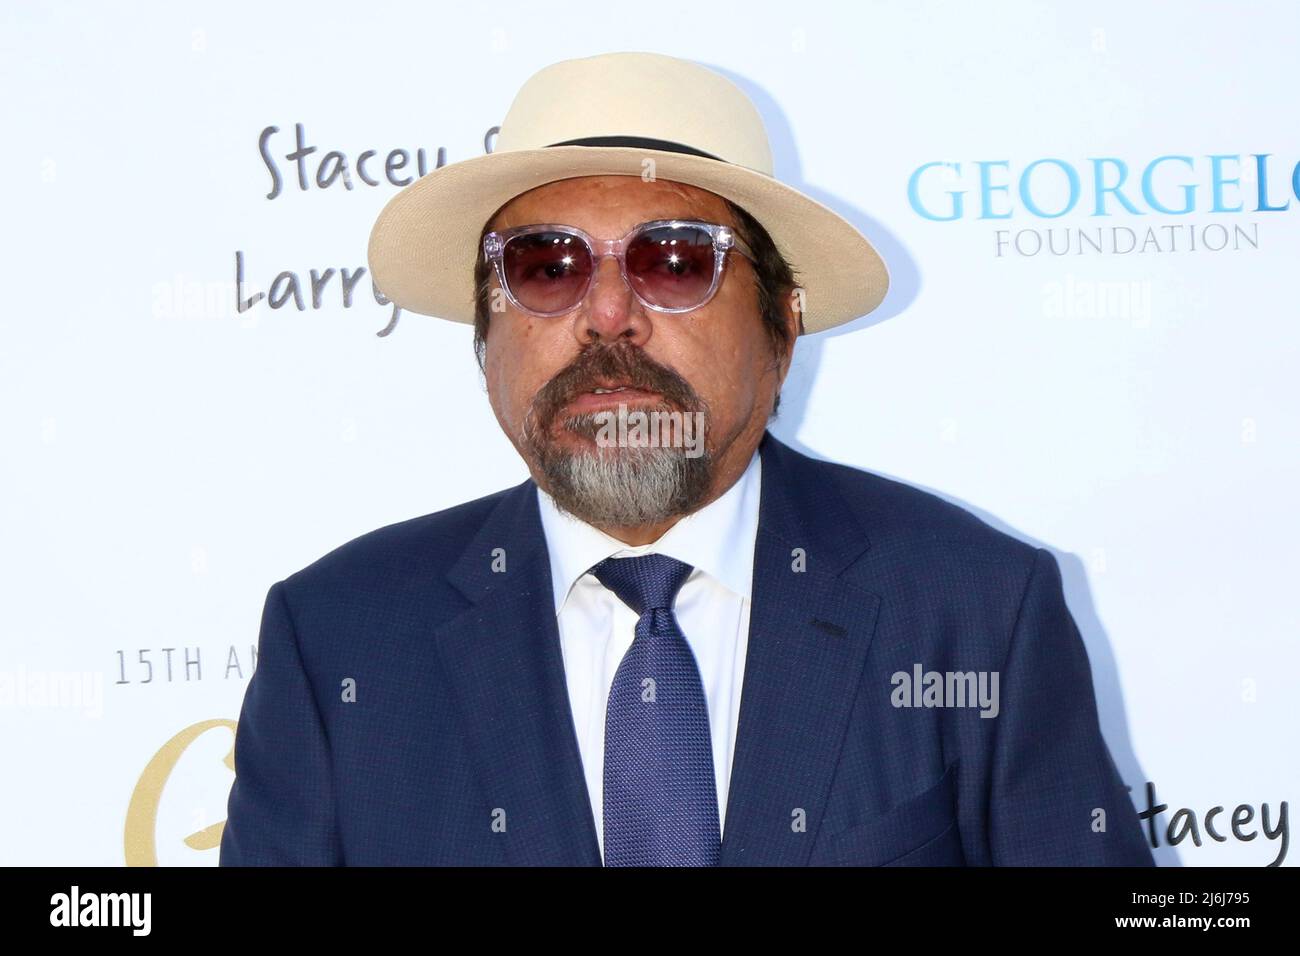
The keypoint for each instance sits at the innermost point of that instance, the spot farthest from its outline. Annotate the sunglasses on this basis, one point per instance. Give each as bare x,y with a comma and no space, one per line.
671,265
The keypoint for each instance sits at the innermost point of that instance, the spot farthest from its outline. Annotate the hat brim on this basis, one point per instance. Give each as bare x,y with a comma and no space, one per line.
424,244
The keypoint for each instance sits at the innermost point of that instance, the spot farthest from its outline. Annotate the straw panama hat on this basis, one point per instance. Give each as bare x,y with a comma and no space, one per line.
606,115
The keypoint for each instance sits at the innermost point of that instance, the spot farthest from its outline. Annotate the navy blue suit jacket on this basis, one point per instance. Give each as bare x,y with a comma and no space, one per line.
460,748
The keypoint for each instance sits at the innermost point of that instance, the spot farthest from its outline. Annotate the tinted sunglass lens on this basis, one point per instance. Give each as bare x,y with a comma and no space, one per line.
547,271
672,266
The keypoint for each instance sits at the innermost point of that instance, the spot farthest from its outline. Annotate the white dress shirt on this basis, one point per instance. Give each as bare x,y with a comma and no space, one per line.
712,608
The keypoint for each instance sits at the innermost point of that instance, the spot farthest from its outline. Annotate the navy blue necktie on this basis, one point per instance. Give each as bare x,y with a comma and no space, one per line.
661,801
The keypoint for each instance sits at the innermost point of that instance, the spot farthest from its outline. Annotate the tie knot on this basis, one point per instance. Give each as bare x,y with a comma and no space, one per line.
645,582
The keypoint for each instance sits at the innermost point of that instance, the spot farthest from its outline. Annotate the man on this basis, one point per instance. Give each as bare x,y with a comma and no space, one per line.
679,642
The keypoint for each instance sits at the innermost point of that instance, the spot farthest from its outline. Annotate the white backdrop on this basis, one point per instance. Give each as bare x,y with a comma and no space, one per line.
168,457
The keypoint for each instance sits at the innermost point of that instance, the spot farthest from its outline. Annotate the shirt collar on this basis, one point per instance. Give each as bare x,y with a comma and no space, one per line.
718,539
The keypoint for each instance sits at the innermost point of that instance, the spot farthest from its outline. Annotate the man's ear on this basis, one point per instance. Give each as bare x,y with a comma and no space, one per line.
796,309
792,309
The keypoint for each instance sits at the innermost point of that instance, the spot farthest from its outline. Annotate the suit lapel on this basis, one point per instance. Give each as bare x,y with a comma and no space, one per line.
502,656
808,639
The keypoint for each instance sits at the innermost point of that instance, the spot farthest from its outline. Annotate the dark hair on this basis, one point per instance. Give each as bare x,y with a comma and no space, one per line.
776,281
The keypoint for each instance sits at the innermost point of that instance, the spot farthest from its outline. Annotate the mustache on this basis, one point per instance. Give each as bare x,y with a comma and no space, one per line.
626,364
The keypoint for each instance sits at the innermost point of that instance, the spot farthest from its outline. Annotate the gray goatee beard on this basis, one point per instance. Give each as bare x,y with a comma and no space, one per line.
617,486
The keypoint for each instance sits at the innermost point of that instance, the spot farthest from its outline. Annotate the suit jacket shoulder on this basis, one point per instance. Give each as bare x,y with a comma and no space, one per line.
406,559
904,516
926,553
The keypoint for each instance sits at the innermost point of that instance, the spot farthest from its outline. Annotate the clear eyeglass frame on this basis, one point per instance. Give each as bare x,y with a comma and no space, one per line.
723,236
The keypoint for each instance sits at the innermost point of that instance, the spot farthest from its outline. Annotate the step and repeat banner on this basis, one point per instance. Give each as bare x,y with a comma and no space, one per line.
1091,217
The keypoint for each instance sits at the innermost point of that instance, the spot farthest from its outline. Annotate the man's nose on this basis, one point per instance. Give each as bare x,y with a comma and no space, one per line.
611,310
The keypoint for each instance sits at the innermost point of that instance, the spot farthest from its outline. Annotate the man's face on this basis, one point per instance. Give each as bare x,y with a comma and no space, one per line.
718,360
